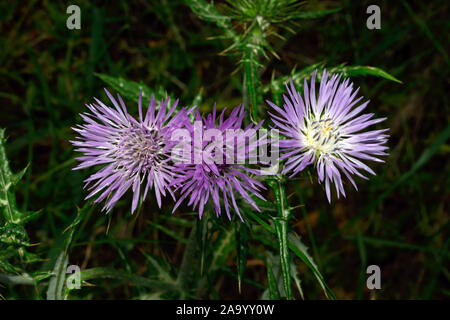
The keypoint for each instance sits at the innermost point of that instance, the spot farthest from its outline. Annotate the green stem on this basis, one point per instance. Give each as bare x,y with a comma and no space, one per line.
252,49
252,83
281,226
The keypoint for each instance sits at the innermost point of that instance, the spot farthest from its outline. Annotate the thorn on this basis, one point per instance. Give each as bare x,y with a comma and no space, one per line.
298,206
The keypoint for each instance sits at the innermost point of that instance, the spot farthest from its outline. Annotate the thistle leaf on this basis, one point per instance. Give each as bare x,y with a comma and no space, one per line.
277,85
8,180
56,289
301,251
208,12
274,293
298,248
130,89
56,285
353,71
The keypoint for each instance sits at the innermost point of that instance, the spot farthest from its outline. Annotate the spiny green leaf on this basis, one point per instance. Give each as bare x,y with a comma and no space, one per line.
277,86
353,71
7,267
13,234
8,180
208,12
295,276
222,248
274,293
56,287
301,251
18,176
81,213
131,90
298,248
13,237
57,282
40,275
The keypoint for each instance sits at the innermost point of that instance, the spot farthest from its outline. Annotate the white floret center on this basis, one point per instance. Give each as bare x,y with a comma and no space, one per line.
321,135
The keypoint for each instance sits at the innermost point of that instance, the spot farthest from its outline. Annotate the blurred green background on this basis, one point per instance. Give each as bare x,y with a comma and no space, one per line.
398,220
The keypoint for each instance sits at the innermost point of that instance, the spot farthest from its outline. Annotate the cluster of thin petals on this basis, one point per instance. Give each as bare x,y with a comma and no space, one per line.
324,130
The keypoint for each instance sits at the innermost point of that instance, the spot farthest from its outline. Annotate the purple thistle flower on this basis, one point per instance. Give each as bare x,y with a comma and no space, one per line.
325,131
132,152
209,178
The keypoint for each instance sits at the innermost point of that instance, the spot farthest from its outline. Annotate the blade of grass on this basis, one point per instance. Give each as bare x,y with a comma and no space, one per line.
425,30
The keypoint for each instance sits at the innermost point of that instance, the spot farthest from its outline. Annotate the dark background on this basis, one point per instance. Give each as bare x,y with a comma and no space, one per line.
398,220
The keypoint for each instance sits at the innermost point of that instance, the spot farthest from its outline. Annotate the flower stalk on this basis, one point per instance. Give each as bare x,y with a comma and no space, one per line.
278,186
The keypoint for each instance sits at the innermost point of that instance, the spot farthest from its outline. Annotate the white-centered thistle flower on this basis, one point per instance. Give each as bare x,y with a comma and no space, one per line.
324,130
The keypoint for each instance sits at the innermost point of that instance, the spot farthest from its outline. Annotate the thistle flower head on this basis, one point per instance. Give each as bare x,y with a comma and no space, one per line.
324,130
132,152
218,174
